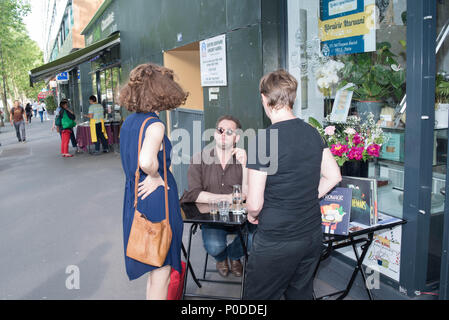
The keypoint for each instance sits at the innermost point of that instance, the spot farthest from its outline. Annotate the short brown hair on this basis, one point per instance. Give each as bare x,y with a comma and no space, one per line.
151,88
230,118
279,87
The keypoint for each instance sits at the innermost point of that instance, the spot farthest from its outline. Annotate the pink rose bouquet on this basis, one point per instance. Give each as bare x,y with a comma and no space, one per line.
354,140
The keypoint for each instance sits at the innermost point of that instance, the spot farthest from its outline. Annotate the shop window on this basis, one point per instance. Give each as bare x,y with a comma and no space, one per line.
331,44
323,62
317,55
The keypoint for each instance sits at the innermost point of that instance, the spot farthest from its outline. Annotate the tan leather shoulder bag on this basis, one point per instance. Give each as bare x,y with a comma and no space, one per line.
149,242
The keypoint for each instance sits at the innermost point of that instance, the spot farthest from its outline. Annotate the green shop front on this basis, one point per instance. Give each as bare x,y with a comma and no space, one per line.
75,67
171,33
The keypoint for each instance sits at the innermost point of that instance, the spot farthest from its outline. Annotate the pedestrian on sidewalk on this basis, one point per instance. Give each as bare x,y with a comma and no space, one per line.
46,113
29,112
151,89
57,125
67,124
40,110
96,116
35,107
17,119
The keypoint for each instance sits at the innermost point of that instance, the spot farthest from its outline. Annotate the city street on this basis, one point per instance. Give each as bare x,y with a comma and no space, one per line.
58,213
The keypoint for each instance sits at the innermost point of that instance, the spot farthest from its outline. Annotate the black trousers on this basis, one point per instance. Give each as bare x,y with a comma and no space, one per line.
282,268
100,137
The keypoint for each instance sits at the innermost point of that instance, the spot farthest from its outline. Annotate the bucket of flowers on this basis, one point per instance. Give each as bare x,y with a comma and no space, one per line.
353,141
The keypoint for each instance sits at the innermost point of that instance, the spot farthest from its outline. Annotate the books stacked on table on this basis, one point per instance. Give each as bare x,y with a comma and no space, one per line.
336,211
354,200
364,199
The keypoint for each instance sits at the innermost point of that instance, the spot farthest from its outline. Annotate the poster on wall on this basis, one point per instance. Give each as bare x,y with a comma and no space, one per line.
347,26
213,62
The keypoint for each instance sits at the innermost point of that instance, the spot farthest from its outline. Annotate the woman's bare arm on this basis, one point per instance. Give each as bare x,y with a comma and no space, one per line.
151,146
256,190
330,173
148,161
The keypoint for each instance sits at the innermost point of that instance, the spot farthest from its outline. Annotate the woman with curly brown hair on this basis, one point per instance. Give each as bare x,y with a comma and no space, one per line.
151,89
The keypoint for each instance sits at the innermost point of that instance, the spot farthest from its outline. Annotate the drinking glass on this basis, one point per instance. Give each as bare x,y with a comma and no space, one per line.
213,207
223,207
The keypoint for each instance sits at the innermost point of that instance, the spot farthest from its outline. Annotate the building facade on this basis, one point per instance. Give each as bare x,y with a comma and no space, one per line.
63,22
261,36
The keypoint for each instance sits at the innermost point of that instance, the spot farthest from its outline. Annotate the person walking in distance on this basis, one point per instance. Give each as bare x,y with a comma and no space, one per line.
45,116
40,110
29,112
96,113
17,119
150,89
35,107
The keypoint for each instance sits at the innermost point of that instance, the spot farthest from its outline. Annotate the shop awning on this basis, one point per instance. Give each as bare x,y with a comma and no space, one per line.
74,59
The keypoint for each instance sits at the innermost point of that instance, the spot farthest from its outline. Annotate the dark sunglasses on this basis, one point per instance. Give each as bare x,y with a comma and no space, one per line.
229,132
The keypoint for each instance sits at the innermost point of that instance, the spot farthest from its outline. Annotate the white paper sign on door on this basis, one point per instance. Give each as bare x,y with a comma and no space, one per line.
213,62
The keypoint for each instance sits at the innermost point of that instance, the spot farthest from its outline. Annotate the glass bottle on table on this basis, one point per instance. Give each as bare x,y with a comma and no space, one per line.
237,198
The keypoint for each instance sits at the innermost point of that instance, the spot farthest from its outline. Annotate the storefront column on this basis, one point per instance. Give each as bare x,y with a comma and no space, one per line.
74,90
421,38
98,81
86,86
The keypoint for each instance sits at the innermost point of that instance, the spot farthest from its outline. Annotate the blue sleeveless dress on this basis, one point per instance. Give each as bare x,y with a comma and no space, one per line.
154,205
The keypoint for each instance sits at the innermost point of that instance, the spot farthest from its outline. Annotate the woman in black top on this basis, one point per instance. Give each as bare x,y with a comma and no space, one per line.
283,197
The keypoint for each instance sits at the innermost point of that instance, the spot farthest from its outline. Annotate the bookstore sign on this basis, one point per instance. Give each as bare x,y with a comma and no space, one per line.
347,26
213,62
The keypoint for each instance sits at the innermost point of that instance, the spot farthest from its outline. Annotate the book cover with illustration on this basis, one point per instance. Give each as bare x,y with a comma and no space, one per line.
364,199
336,211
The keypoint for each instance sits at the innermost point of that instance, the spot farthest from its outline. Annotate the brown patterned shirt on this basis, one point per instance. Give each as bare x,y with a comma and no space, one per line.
206,174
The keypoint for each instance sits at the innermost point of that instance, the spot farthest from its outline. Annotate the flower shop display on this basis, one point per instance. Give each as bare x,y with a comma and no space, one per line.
355,140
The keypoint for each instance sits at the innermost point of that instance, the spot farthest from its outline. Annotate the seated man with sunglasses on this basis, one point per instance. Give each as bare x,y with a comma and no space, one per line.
211,176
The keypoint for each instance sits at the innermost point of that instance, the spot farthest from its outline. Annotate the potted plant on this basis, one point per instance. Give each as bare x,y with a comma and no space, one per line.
353,143
441,100
376,76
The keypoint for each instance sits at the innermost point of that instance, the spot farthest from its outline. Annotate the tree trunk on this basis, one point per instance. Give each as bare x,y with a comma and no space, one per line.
6,89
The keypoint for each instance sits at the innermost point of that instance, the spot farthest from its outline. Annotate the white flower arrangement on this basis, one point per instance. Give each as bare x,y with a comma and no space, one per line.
327,76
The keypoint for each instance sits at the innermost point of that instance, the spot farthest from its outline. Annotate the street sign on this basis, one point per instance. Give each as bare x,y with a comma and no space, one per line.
64,76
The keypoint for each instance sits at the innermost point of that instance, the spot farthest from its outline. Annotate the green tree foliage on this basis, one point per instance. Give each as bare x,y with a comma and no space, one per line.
50,103
20,53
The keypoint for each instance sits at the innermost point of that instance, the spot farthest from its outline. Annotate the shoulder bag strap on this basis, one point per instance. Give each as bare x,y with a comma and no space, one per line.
137,175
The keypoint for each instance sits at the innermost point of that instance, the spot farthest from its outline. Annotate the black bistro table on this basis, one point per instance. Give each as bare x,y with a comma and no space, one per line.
198,214
359,235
